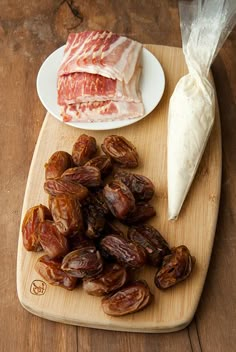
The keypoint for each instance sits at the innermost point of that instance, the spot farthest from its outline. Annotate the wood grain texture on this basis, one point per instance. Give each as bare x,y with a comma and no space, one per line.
29,32
173,309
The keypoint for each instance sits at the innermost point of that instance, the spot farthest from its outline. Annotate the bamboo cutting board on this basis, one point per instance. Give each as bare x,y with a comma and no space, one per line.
174,308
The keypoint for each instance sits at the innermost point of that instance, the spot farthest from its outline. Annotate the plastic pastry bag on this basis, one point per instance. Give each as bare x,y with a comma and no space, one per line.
204,27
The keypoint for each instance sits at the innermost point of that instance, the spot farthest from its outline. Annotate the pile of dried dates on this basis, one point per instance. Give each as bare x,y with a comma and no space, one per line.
88,194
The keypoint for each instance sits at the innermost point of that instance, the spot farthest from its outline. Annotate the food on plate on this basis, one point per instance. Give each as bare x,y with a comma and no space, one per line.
98,79
101,111
94,231
176,267
84,87
128,299
101,52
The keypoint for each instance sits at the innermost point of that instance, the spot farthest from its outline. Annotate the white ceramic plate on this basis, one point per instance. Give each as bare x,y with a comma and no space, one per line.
152,84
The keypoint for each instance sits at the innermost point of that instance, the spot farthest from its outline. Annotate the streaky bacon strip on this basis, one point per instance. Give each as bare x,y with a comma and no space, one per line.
98,79
102,111
83,87
101,52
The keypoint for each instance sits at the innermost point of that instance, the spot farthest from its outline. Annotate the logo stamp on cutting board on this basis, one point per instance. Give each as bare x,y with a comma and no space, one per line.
38,287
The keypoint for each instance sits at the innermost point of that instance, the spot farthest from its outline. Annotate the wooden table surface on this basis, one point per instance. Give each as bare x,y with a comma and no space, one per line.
29,32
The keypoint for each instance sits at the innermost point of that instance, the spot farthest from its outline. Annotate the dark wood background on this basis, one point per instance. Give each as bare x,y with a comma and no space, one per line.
29,32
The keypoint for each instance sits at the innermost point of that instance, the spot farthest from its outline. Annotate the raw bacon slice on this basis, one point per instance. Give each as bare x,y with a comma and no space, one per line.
102,111
99,77
101,52
82,87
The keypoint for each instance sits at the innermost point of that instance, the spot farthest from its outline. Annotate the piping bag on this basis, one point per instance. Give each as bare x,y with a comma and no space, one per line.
205,26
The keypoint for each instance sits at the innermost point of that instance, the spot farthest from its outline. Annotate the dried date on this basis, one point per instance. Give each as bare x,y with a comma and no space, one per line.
151,240
112,278
57,164
119,199
79,232
83,262
96,199
120,150
79,240
59,186
83,149
175,268
52,241
130,299
94,221
102,162
100,203
141,187
111,228
88,176
33,217
67,214
141,213
50,270
127,253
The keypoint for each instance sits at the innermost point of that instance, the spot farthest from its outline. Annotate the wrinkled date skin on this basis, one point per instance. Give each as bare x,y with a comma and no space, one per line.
79,240
94,221
127,253
57,164
94,211
141,187
84,149
67,214
151,240
83,262
59,186
88,176
110,227
119,199
129,299
120,150
50,270
175,268
97,200
52,241
142,212
100,203
102,162
33,217
112,278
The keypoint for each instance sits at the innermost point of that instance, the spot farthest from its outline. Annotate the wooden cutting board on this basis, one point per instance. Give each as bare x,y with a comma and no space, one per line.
174,308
